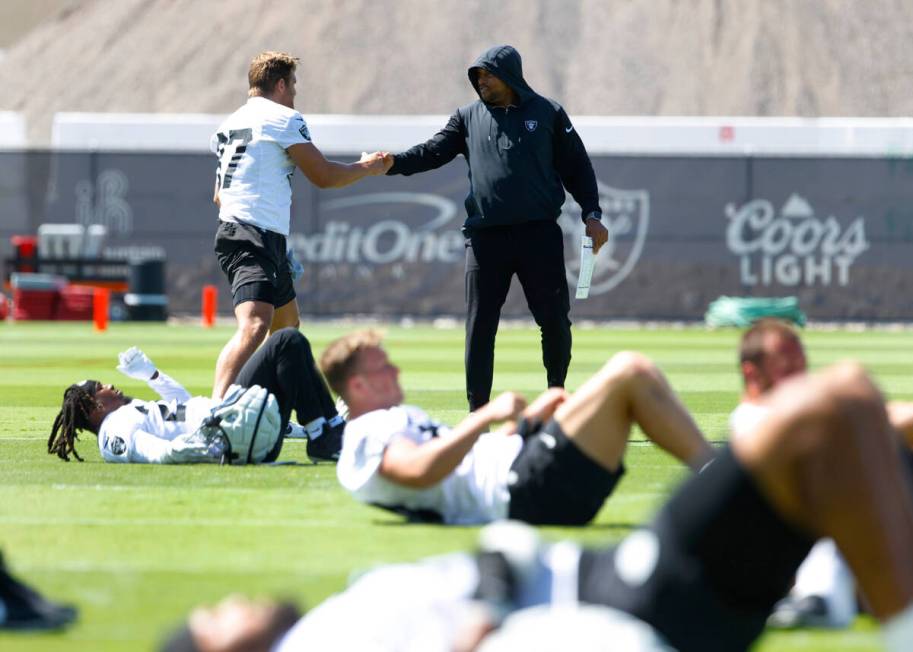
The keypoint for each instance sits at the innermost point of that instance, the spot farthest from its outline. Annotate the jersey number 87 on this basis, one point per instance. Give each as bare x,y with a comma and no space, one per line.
231,148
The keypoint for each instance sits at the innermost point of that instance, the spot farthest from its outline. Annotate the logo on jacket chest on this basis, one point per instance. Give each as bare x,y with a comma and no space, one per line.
531,125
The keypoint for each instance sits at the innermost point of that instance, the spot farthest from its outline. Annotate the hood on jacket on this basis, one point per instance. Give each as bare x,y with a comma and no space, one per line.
504,62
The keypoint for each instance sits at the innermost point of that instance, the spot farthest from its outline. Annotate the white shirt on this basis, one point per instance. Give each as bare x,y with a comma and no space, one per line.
255,170
475,492
745,418
400,608
426,607
141,431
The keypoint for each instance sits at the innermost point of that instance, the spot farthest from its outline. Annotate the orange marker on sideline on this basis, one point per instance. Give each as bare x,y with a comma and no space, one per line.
210,298
101,299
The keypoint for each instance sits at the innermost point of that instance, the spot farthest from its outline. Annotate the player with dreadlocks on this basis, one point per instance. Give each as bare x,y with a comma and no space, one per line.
245,426
78,405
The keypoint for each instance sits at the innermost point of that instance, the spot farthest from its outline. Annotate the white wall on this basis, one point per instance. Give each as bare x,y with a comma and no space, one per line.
719,136
12,130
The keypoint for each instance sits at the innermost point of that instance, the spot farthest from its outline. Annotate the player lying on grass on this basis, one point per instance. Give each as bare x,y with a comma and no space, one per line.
554,461
702,577
824,594
282,376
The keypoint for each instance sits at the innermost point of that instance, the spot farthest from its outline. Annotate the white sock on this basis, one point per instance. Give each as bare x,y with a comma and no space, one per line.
824,573
898,631
315,428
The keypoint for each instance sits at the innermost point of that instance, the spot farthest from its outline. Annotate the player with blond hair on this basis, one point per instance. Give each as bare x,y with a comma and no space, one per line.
552,462
259,146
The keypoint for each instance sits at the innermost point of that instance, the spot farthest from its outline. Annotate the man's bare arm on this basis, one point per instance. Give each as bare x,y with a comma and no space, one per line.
424,465
332,174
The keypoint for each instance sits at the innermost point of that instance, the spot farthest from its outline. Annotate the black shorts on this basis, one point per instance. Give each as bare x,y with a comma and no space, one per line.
552,482
254,261
723,557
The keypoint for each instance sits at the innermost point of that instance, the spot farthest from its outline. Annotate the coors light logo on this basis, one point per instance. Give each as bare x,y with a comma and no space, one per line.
794,247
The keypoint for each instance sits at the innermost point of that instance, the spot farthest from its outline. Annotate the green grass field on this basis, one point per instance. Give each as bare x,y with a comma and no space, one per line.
135,547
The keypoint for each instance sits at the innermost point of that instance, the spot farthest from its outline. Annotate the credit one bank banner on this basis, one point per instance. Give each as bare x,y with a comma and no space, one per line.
836,232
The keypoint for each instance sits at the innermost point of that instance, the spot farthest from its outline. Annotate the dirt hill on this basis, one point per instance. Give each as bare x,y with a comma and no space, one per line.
630,57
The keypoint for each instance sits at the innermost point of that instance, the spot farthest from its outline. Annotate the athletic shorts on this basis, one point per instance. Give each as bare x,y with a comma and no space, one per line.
254,261
552,482
708,571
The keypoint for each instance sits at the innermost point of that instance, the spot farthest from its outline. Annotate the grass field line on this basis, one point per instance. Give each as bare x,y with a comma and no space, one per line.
191,520
135,546
116,568
616,498
222,489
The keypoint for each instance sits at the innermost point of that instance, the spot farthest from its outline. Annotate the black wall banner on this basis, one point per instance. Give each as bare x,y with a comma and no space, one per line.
836,232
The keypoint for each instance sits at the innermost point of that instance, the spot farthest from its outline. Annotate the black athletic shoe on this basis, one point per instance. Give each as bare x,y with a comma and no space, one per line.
327,446
22,608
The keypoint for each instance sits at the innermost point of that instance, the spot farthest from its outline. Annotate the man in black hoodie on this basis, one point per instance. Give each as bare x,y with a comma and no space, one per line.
522,152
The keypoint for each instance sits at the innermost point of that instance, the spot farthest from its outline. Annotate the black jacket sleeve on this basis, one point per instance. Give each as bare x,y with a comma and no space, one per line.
573,164
441,149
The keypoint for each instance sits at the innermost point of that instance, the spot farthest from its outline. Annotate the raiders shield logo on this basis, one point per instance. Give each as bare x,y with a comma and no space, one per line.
303,129
531,125
626,216
116,445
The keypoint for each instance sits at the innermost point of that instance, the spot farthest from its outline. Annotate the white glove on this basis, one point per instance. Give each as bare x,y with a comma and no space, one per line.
294,266
197,448
135,364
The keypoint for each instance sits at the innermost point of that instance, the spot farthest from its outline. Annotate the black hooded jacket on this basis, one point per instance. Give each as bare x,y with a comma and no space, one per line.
521,158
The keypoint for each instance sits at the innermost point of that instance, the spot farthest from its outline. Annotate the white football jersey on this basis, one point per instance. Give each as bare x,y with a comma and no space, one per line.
745,418
475,492
429,606
255,171
419,607
139,432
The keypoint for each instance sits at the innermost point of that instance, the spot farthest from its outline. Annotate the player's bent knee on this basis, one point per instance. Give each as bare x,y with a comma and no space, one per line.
830,409
849,380
630,365
847,394
291,338
253,330
289,334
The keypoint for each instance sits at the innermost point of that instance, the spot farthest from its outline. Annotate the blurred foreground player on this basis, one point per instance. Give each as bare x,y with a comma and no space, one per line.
553,462
824,593
22,608
701,578
172,430
259,146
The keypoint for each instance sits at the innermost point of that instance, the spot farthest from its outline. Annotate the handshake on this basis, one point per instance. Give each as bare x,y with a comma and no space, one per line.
376,163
